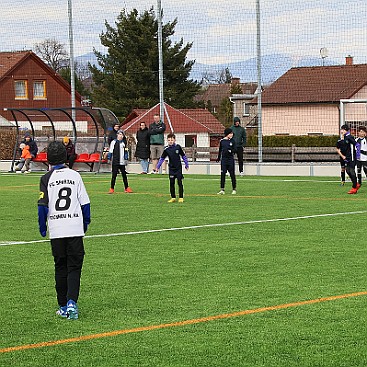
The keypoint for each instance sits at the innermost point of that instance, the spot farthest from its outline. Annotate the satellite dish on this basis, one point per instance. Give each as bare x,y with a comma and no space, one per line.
324,52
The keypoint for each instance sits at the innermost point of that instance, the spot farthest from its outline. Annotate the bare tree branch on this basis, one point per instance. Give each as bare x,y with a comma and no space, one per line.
53,53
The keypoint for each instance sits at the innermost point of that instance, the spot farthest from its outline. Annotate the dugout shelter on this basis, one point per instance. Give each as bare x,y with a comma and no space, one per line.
80,124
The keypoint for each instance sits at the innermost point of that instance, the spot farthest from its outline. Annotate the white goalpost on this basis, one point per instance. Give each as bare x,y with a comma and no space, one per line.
353,112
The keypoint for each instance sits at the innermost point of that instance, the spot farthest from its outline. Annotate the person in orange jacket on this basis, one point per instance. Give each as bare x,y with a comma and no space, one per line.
25,159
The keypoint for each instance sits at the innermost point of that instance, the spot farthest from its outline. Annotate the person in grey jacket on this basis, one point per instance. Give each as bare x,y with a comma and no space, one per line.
239,136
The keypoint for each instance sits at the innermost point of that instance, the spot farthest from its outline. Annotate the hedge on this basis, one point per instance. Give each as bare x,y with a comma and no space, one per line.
7,142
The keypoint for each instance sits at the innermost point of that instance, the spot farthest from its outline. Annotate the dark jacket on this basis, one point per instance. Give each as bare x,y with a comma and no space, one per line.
227,147
156,132
70,149
143,144
113,136
349,148
239,135
33,148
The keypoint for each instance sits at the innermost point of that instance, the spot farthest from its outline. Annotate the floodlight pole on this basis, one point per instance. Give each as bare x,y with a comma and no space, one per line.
160,59
259,108
72,66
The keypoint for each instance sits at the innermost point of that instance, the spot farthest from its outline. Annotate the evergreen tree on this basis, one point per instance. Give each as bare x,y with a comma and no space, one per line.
65,73
127,76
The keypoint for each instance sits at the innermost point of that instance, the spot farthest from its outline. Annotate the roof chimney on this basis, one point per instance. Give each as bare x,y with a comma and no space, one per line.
235,80
349,60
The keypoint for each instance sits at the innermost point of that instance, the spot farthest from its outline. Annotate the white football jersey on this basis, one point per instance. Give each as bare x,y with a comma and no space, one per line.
363,156
63,192
121,146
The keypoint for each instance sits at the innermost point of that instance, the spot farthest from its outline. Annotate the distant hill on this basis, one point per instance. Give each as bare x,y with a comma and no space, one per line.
273,66
90,57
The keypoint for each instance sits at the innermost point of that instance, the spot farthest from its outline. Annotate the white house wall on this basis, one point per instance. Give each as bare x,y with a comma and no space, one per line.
203,140
81,126
311,118
362,94
356,111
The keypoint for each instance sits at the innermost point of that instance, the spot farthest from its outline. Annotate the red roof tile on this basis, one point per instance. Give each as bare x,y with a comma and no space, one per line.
316,84
11,60
217,92
179,121
8,60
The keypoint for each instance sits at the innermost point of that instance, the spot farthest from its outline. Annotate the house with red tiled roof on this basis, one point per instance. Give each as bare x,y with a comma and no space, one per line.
191,126
27,82
306,100
213,95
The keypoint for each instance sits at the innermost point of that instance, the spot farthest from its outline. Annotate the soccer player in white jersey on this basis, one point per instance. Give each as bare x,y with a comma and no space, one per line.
361,153
64,208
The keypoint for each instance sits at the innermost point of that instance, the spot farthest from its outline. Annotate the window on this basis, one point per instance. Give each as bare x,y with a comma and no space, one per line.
39,90
190,140
21,89
246,109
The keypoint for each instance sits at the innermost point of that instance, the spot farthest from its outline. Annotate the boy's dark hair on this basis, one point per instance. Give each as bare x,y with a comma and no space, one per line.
227,131
344,127
56,153
363,128
171,136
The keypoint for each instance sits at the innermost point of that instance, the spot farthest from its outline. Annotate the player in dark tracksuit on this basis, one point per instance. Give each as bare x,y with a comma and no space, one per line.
174,153
227,148
349,155
361,150
340,147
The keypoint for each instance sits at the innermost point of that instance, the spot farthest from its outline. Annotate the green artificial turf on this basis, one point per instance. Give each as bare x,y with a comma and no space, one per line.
278,241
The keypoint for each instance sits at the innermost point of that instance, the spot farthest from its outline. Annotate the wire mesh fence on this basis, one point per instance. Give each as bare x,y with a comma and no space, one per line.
317,40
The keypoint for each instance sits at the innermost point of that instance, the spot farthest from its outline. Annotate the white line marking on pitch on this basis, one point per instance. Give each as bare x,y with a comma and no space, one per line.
193,227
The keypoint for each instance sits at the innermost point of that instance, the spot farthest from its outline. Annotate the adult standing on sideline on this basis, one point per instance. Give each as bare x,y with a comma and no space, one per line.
70,151
239,137
143,147
156,132
113,134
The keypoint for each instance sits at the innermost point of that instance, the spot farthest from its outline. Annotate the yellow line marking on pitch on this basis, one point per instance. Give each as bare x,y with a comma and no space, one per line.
180,323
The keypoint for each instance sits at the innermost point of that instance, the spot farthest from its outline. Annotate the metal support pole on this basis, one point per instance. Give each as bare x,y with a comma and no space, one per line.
160,59
72,66
341,114
259,109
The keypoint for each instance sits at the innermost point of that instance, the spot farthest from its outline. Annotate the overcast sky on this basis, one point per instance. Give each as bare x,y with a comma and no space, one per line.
221,30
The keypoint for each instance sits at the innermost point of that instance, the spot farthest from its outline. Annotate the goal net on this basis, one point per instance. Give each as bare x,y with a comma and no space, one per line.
353,112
